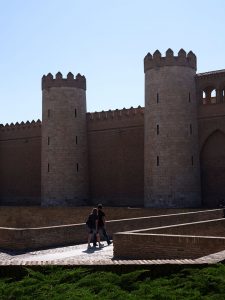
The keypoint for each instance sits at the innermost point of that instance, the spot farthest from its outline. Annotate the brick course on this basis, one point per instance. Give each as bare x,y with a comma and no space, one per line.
111,159
49,236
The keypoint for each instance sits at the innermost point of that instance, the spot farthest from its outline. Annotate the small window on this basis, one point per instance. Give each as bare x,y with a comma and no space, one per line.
75,112
157,160
157,129
190,129
189,97
76,139
157,98
48,140
48,113
77,167
48,168
192,160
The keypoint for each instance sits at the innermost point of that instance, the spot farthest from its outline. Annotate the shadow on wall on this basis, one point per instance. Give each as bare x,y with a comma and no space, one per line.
212,159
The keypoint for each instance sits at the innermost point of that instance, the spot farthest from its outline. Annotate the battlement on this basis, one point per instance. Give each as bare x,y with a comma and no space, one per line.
49,81
156,60
117,113
21,125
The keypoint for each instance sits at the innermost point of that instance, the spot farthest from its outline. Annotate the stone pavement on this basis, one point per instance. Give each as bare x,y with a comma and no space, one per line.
79,255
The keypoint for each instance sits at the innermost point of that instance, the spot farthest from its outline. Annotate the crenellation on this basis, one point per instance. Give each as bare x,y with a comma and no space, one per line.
49,81
156,61
115,114
192,59
182,55
169,179
169,53
123,152
21,125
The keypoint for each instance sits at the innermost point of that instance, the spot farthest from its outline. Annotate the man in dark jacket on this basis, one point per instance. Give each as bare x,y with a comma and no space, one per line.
101,225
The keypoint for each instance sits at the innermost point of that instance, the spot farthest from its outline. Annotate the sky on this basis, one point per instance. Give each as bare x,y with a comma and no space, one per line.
104,40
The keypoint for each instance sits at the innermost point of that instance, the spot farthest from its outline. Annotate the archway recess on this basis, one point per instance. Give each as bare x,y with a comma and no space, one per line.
212,160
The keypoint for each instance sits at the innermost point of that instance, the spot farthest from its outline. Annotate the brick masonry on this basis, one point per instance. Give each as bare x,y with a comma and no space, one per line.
50,236
181,241
172,177
111,144
64,167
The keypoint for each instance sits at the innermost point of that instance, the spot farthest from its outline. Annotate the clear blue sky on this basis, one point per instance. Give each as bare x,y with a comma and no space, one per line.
104,40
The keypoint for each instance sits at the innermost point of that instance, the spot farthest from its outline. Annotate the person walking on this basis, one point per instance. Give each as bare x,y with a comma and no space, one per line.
92,225
101,226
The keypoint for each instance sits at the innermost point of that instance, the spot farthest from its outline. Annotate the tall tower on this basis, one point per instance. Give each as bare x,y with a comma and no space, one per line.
172,174
64,141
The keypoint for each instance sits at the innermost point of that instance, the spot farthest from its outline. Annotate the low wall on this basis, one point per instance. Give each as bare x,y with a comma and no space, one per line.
20,217
163,220
190,240
44,237
204,228
164,246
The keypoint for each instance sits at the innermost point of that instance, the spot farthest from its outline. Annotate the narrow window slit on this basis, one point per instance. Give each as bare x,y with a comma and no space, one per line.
157,129
77,167
157,160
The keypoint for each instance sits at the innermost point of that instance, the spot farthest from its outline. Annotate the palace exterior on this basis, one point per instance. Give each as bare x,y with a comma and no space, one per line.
170,153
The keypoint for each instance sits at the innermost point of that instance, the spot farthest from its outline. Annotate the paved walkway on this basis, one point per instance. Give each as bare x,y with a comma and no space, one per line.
79,255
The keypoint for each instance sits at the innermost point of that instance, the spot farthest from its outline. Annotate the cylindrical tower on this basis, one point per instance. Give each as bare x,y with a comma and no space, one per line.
64,141
171,158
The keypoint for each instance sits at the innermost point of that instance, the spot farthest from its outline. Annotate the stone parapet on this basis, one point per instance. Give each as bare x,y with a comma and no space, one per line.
22,125
117,113
49,81
156,60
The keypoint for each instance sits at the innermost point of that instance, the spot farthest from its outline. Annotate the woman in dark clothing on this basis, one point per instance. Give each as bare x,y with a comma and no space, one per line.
92,225
101,226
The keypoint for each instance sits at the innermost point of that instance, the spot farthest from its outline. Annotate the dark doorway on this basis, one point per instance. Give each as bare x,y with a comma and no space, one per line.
212,160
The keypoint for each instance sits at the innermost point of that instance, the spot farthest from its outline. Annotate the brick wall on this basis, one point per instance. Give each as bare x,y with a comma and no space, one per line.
203,228
42,237
171,165
212,157
116,157
155,246
20,164
64,168
20,217
190,240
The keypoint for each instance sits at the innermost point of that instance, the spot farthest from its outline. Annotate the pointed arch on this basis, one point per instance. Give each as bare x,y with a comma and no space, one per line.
212,159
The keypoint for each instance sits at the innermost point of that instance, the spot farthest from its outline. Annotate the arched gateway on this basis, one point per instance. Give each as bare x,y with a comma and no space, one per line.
212,159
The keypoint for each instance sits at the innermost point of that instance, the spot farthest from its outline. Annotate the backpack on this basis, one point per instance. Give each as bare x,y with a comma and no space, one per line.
89,221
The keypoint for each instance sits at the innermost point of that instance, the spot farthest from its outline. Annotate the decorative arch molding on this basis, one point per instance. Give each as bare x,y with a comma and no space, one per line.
212,161
207,136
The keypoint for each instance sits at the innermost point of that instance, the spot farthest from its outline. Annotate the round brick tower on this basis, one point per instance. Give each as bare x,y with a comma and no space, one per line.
171,158
64,141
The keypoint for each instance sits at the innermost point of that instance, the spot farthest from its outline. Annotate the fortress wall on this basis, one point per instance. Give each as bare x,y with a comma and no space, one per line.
211,121
20,163
211,117
116,157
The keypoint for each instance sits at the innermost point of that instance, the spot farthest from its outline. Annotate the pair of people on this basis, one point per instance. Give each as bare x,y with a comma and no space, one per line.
96,225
